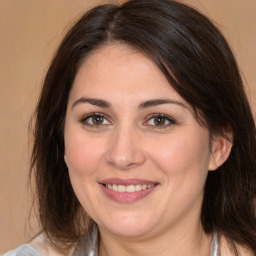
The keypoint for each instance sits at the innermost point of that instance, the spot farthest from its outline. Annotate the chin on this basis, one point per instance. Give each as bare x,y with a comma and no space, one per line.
128,226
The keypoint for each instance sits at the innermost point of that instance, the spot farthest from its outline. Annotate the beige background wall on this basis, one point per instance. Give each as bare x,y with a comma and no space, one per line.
29,32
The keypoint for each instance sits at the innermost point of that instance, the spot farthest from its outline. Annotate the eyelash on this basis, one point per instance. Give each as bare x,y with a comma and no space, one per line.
170,121
165,118
91,115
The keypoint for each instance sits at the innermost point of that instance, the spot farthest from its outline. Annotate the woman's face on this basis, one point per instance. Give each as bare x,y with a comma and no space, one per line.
137,158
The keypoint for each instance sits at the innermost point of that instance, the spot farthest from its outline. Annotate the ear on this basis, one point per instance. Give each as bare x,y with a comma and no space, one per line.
220,150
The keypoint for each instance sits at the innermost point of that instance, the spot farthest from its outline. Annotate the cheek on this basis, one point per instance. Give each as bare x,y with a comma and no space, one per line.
182,154
84,154
184,161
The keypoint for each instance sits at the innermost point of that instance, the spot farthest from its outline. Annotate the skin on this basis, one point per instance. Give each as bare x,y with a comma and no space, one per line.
133,141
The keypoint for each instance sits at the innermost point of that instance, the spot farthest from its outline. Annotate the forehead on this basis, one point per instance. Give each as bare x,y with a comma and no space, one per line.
121,72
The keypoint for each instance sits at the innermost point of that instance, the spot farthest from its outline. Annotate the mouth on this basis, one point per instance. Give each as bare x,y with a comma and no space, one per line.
125,191
129,188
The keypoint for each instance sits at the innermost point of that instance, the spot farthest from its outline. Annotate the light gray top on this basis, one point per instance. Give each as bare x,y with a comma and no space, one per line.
88,246
23,250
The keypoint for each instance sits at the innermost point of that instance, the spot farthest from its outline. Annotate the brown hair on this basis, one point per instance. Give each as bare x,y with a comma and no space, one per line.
198,63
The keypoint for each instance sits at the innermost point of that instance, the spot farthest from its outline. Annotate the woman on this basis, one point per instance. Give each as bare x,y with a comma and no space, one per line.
144,139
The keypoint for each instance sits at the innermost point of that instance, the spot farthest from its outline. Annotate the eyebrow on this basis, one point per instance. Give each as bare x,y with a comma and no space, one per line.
147,104
156,102
96,102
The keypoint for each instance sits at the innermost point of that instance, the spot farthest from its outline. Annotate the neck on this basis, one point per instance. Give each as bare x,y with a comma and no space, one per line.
190,240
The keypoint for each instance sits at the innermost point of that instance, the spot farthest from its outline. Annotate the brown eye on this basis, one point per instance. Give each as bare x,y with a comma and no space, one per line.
160,121
95,120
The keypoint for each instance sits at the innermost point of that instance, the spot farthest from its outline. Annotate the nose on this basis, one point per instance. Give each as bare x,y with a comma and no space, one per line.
125,149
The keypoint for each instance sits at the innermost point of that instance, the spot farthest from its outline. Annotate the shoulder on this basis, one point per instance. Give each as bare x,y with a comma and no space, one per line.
39,246
43,246
23,250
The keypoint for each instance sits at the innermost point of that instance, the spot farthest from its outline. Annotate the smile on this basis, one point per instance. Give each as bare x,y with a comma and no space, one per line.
129,188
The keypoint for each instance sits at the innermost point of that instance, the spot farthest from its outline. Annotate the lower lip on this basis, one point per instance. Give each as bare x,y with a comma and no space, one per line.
126,197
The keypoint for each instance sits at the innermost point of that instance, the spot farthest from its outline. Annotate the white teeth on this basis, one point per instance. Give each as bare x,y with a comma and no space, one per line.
137,187
121,188
129,188
144,186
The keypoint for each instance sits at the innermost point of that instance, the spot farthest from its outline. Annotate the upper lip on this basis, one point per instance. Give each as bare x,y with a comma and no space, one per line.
127,182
